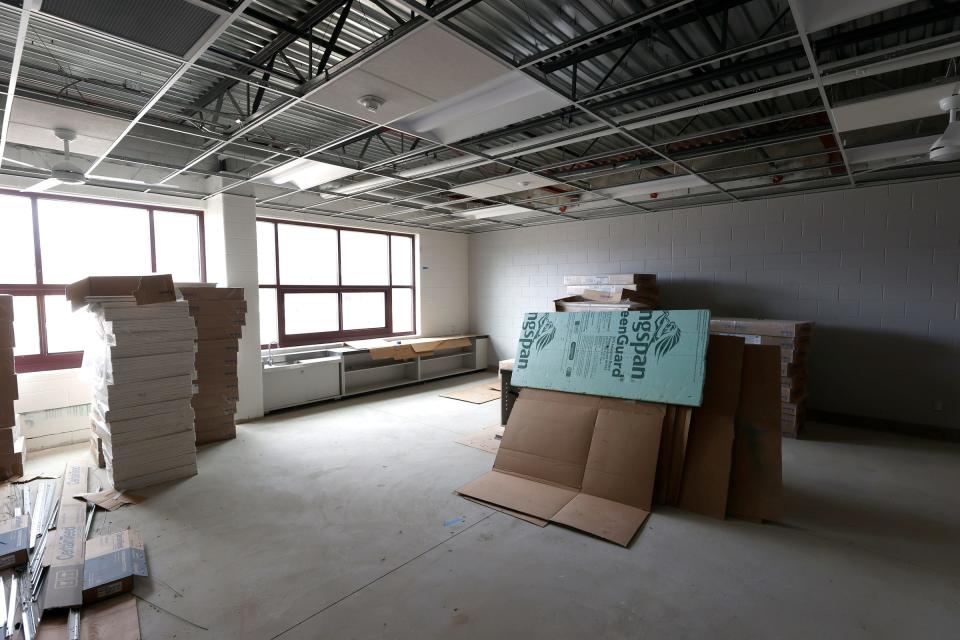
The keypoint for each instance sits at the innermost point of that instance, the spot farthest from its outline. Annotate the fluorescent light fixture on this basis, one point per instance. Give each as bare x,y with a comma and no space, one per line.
639,189
305,173
507,184
497,211
502,101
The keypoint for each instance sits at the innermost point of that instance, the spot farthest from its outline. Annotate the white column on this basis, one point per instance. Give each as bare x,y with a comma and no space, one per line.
231,251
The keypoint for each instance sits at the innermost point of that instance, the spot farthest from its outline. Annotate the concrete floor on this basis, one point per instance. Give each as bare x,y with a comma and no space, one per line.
339,521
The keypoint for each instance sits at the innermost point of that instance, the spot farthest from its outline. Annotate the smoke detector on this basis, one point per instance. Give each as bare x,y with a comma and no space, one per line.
947,146
371,103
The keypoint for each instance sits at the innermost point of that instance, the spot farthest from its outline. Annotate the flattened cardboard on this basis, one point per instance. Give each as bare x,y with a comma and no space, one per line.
581,461
484,440
380,349
617,489
516,514
111,563
113,619
706,472
756,477
8,339
762,326
147,289
474,395
655,356
110,499
8,387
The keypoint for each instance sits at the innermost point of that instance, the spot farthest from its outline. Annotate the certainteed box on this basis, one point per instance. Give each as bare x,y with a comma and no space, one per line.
111,563
651,355
14,541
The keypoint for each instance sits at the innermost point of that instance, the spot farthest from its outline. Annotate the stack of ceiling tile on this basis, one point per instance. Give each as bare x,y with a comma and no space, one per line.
219,314
11,445
637,287
142,371
793,339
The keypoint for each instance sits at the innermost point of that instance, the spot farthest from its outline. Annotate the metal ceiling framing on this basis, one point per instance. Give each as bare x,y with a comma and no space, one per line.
734,92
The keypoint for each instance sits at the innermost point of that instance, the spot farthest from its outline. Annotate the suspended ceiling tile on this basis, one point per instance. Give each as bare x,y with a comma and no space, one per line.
33,123
507,184
897,107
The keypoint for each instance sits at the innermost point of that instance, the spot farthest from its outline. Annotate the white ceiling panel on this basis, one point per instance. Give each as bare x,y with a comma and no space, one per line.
32,123
886,109
507,184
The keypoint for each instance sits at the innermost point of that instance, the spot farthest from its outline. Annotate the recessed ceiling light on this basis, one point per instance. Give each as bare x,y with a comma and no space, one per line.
496,211
305,173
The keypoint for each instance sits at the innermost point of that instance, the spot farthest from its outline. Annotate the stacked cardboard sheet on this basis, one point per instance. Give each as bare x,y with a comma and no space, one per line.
792,337
11,444
639,288
219,314
141,366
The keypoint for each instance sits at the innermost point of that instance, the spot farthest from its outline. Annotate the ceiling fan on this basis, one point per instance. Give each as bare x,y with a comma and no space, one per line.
66,172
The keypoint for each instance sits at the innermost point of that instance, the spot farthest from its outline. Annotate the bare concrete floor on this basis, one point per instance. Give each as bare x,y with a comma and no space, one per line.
339,521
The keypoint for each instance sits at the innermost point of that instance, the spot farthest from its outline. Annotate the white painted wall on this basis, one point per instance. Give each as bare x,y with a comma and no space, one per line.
878,269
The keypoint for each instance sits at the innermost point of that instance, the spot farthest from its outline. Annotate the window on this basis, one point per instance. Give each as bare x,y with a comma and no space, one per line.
49,241
325,283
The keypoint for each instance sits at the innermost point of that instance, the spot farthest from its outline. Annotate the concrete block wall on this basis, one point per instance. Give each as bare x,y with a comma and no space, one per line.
877,268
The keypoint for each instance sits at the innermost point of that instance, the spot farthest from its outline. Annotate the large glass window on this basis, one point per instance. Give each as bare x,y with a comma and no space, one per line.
50,241
322,283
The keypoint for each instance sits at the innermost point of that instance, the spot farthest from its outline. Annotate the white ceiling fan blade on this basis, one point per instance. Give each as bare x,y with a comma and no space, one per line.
43,185
132,181
21,163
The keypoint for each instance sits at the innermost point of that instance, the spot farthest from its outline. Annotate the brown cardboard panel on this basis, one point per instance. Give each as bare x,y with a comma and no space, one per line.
113,619
484,440
6,308
8,416
603,518
8,339
706,473
666,455
475,395
548,437
148,289
678,452
8,387
622,462
756,478
7,363
519,494
540,522
759,326
212,293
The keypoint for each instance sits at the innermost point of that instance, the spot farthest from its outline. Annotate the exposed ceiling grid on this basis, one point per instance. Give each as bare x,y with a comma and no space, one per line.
477,115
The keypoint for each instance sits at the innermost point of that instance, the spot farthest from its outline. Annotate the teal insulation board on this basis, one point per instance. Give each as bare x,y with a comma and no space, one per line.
653,355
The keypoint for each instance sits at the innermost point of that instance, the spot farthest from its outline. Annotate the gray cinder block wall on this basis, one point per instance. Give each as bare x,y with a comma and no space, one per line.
877,268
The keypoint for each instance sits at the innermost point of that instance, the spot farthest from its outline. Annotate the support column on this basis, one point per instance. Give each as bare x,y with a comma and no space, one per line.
231,250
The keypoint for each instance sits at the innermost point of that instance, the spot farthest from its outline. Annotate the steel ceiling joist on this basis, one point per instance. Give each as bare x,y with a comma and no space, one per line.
213,32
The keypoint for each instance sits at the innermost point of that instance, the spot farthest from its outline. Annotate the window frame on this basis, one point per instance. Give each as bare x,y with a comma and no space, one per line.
46,361
301,339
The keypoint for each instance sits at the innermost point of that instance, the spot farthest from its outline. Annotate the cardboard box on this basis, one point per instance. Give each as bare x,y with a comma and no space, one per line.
147,289
582,461
14,541
592,301
63,586
111,563
6,308
7,363
211,293
8,339
761,326
380,349
614,278
8,416
656,356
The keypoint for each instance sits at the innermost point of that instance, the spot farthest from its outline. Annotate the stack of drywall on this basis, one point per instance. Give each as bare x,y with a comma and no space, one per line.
141,367
638,287
219,316
793,339
11,445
